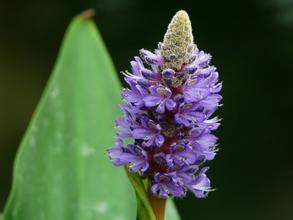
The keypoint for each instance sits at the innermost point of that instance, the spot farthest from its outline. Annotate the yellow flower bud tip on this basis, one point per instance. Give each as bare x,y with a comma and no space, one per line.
177,47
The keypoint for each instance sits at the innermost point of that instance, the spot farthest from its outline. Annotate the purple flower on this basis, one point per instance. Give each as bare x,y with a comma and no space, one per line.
116,152
189,114
204,146
162,159
200,185
151,58
160,96
168,106
124,127
148,131
198,88
133,155
140,74
125,124
202,59
182,154
166,184
135,94
207,125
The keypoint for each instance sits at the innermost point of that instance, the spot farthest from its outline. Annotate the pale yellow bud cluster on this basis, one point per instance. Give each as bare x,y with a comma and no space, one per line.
177,47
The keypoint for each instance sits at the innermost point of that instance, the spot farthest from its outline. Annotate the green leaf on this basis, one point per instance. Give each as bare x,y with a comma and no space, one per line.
172,213
62,171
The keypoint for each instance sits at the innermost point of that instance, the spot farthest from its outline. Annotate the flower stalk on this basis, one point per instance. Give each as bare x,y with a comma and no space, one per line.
158,205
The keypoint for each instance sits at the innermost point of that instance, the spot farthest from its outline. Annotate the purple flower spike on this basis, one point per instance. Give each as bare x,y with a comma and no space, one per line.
168,106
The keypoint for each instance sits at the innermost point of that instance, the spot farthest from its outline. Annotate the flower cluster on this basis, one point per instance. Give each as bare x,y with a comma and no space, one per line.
172,95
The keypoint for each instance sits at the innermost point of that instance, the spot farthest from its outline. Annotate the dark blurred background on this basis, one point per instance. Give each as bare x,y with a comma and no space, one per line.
252,45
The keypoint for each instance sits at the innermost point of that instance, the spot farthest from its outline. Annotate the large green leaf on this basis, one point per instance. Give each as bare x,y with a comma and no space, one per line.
61,170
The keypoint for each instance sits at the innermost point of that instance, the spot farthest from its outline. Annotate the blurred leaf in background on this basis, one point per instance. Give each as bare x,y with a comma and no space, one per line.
62,170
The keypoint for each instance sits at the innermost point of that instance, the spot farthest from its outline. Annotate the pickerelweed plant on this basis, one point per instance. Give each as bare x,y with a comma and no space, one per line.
168,107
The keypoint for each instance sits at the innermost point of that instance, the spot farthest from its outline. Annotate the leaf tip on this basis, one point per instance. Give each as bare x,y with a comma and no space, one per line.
88,14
